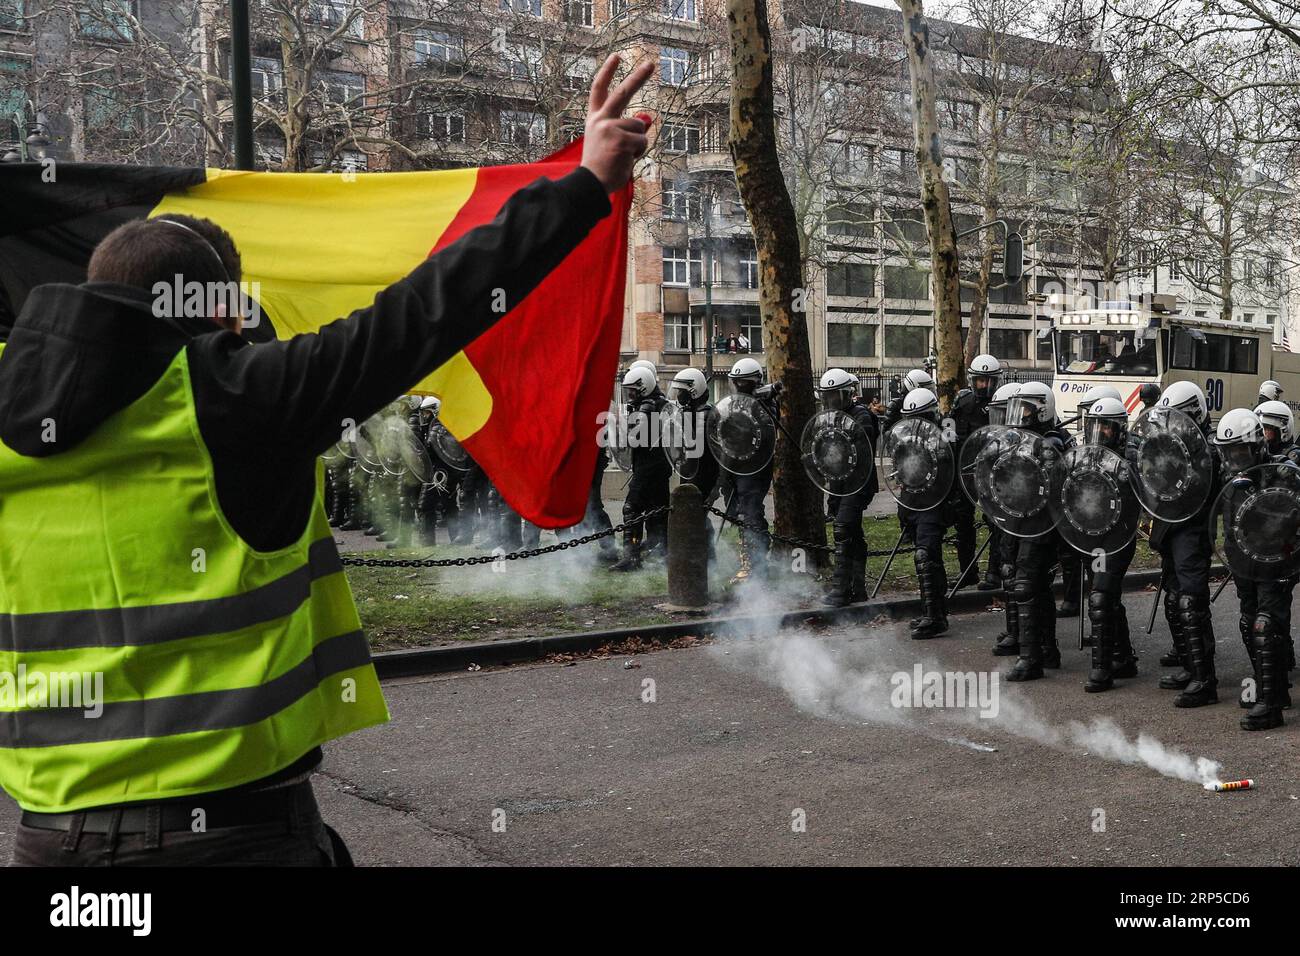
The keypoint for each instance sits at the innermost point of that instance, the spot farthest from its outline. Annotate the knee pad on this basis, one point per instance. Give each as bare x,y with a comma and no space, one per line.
1008,572
1022,592
841,533
1262,629
1097,606
1171,604
1191,607
921,558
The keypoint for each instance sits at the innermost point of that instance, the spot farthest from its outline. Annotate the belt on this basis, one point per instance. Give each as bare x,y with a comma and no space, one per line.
218,812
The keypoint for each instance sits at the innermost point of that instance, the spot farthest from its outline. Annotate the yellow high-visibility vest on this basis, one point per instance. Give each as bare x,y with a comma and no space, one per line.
218,664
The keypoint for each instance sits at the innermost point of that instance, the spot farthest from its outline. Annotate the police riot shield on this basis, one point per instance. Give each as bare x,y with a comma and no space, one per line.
921,468
449,450
1014,472
978,452
682,437
741,434
836,452
1172,464
415,459
1092,501
616,437
1255,523
366,439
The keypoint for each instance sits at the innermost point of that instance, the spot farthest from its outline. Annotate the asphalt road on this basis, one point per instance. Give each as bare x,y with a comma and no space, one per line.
574,767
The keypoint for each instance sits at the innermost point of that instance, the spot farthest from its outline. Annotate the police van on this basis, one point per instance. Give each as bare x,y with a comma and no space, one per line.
1128,345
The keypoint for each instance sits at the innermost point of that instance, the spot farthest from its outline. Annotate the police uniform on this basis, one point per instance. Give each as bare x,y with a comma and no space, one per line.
745,495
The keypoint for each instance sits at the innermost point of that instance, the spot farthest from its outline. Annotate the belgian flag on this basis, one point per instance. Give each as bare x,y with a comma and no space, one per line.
523,398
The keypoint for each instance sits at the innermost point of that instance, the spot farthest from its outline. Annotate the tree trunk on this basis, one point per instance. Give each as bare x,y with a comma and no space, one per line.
979,305
782,295
944,271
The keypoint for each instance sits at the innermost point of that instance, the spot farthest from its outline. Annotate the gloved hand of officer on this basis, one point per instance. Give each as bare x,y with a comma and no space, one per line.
612,142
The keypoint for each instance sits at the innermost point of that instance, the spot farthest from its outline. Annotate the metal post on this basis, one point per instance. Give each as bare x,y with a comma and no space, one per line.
708,286
241,88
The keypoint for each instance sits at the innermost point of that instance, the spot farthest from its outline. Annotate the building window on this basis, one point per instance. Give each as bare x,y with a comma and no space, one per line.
906,341
107,19
522,128
680,201
432,46
852,339
678,9
105,110
682,267
851,159
532,8
680,138
267,78
1007,343
11,15
578,12
342,88
857,279
958,115
849,219
682,333
898,164
331,13
751,327
674,65
1248,316
749,272
906,282
446,126
522,61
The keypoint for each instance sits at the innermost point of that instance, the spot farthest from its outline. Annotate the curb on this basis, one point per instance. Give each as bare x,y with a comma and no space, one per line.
422,661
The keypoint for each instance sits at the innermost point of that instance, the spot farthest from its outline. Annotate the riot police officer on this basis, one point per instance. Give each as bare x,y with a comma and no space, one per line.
917,378
1105,426
1071,562
1004,546
1265,617
927,531
746,493
1269,391
689,391
838,390
648,488
1033,409
970,411
1185,550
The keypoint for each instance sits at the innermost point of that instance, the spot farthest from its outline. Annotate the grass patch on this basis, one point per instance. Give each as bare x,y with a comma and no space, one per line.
571,591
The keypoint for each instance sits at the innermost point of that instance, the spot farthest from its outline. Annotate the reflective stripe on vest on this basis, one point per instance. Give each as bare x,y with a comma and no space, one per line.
146,651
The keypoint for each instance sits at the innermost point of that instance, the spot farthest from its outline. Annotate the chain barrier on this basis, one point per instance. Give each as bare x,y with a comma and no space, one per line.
463,562
507,556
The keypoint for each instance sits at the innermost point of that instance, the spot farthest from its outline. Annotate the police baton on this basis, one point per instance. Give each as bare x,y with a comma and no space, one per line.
881,579
1151,621
974,564
1222,584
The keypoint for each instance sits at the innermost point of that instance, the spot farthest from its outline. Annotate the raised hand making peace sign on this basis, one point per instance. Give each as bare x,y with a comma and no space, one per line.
613,142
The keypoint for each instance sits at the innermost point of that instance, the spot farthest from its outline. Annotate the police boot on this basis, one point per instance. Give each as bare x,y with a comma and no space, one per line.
1183,676
1029,666
1270,677
858,579
351,513
1124,662
631,560
1204,687
841,589
1008,643
934,587
1100,678
1246,626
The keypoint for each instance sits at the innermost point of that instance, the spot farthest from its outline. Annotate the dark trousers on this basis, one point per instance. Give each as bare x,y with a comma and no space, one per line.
1267,597
1185,559
646,492
301,838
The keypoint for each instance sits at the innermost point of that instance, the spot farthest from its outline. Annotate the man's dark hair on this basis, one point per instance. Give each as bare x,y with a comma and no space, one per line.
142,252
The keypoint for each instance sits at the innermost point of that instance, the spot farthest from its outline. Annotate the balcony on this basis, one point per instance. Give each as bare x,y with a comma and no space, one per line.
710,160
725,293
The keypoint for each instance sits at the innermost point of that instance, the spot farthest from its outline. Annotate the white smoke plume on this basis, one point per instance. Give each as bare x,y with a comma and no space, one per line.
852,681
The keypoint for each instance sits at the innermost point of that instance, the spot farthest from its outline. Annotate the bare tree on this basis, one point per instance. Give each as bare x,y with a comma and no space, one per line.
762,188
935,201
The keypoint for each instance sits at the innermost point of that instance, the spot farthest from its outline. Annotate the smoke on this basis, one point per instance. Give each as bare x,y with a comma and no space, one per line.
854,680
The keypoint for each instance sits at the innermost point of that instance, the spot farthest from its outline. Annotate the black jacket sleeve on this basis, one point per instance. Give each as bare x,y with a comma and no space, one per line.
293,396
